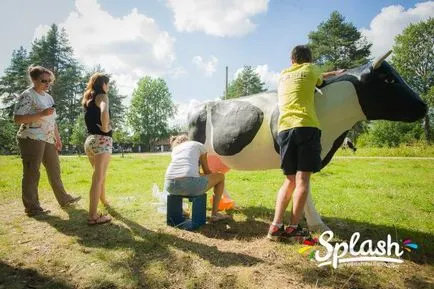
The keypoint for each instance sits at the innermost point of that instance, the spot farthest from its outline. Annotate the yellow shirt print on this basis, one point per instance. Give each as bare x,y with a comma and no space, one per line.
296,96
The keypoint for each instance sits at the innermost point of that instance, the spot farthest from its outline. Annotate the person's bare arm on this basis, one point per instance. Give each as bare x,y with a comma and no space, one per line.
329,74
28,118
103,102
58,139
204,163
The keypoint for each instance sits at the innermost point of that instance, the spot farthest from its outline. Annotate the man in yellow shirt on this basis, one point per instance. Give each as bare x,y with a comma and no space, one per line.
299,138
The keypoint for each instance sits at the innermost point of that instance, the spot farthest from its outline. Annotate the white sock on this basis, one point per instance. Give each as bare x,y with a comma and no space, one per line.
277,225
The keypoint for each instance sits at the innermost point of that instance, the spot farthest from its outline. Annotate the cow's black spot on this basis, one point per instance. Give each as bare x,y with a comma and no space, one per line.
235,124
197,124
336,145
274,127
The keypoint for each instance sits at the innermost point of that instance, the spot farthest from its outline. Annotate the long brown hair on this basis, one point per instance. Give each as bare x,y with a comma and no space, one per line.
94,87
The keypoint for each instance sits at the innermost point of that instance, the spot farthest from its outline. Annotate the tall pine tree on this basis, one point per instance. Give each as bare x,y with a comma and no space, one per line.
338,44
246,83
15,80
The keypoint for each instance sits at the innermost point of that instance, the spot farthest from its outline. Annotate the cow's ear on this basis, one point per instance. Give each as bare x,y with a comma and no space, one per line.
379,60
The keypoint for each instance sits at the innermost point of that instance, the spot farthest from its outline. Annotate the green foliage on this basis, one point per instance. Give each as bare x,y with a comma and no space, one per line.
246,83
14,80
121,137
385,133
151,107
338,44
79,133
414,59
8,133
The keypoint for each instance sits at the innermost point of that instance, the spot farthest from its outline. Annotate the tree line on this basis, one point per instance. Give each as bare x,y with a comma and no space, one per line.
335,44
144,122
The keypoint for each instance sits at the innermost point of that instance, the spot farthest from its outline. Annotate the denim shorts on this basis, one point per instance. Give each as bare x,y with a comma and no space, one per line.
189,186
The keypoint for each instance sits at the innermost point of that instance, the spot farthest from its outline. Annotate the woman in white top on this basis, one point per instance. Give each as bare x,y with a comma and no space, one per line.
183,177
39,141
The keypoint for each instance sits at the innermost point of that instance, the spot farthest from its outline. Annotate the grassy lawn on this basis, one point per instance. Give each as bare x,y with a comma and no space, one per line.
375,197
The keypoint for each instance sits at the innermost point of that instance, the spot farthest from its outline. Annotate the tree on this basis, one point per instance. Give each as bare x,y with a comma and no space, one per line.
54,52
338,44
15,80
150,109
79,133
246,83
414,59
8,134
121,137
385,133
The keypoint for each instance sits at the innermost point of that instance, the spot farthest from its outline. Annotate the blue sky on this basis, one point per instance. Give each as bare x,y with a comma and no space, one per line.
189,42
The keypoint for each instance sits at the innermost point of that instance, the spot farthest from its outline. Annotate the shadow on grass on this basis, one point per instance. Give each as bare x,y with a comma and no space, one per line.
256,227
15,277
147,245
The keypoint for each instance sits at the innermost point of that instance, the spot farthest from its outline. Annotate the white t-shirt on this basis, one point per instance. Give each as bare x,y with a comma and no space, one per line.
185,160
30,102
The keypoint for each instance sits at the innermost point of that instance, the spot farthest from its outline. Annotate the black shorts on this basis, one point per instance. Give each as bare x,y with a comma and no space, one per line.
300,150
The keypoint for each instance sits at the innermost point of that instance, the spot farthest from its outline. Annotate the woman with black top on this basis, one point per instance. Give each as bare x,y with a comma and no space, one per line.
99,143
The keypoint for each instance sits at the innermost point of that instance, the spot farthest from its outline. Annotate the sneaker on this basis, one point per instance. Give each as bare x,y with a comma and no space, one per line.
37,212
274,232
291,232
71,201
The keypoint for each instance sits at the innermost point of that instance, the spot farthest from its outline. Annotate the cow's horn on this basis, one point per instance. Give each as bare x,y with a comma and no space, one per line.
377,61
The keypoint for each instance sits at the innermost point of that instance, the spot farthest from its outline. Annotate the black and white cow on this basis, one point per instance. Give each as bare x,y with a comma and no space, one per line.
242,132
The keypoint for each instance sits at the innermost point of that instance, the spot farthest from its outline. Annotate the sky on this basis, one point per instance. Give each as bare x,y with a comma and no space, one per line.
190,42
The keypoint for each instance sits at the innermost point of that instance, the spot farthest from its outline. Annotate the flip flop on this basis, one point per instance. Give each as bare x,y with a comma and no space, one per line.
101,219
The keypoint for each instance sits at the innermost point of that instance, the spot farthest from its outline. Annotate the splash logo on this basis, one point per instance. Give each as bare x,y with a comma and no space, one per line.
368,251
408,245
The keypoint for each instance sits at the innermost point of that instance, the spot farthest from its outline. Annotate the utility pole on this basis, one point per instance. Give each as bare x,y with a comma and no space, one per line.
226,91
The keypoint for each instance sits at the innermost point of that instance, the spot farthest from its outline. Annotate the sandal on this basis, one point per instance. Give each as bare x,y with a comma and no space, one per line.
101,219
219,217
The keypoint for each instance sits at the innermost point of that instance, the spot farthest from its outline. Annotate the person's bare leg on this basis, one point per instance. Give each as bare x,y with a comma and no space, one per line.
216,181
283,198
302,181
102,195
100,164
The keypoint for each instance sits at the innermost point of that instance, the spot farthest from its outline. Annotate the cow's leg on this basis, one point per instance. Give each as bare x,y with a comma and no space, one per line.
313,219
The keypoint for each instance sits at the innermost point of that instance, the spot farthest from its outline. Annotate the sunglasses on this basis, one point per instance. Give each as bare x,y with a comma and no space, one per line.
45,80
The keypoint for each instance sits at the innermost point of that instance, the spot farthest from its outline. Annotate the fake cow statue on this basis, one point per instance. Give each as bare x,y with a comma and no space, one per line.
241,133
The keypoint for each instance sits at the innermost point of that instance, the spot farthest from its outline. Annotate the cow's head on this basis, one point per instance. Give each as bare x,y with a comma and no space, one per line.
383,94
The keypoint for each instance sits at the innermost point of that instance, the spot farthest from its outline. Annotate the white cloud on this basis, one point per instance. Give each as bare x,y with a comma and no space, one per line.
183,108
270,78
219,18
128,47
207,67
391,21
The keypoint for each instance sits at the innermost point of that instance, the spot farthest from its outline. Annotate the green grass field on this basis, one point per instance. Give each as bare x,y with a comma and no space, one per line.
372,196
